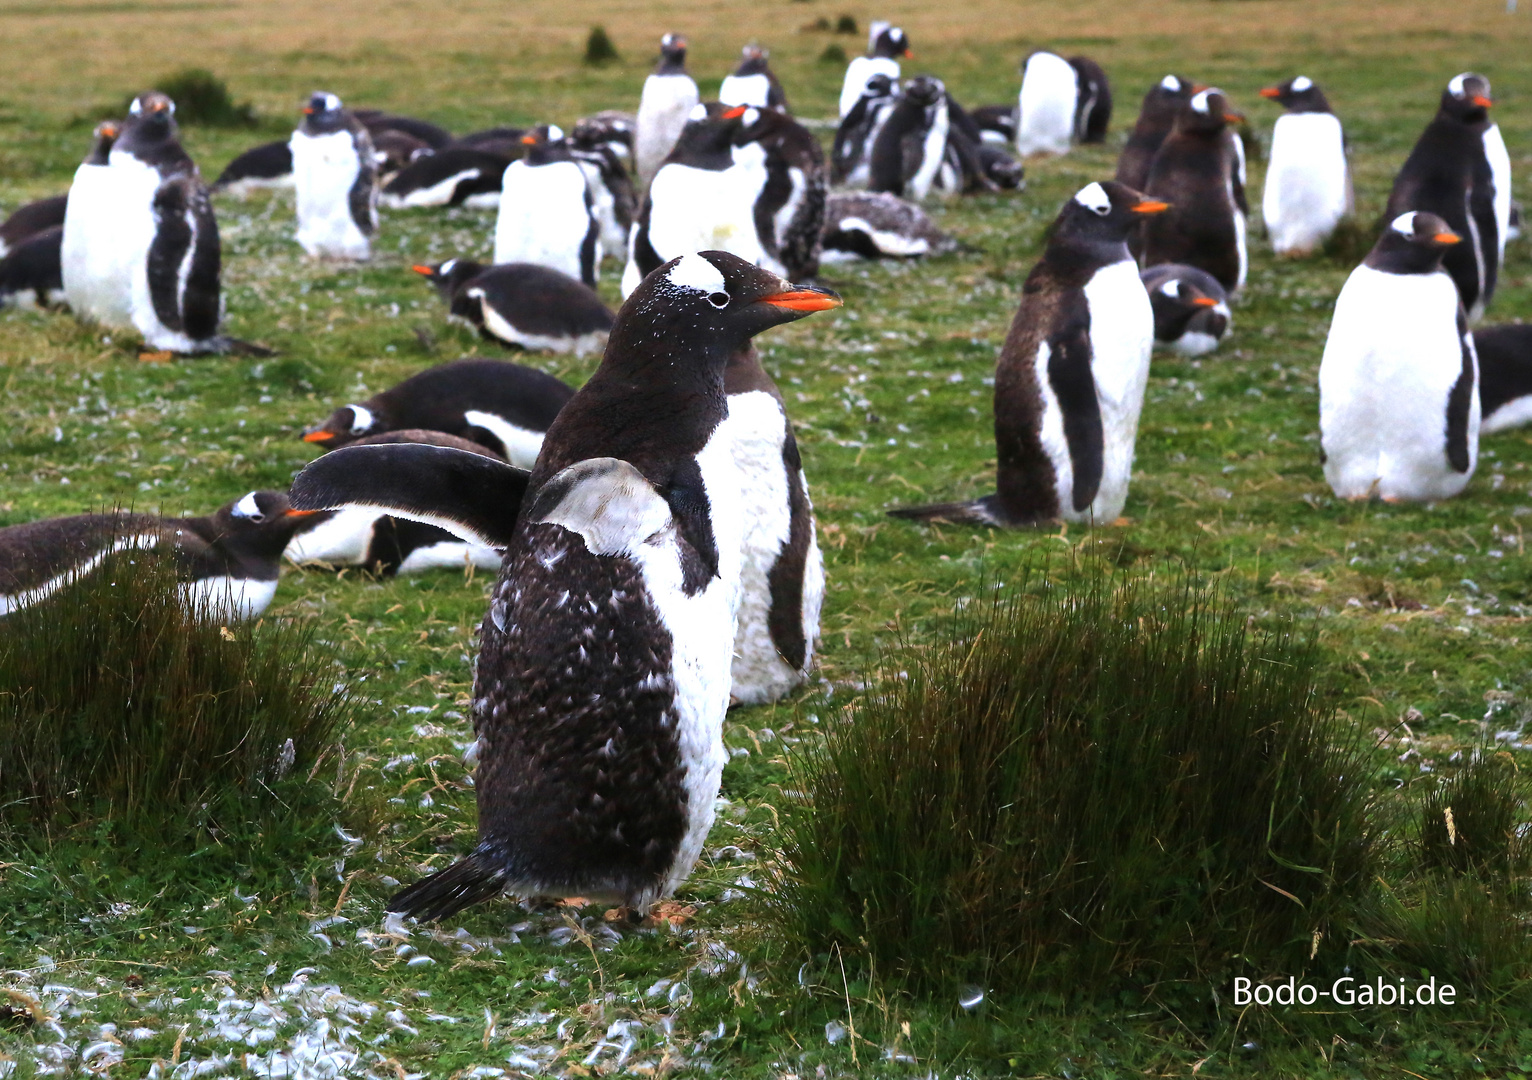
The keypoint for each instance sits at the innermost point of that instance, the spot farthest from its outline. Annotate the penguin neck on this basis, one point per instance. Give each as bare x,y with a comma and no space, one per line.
1312,102
671,64
704,147
744,374
546,154
1075,260
1396,255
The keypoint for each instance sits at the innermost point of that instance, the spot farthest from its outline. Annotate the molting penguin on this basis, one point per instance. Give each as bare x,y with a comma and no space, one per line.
30,219
1454,172
667,102
1398,385
790,209
782,577
228,562
546,215
753,83
265,167
1162,104
367,537
1046,107
30,276
1071,376
1093,100
604,665
1191,309
1505,375
851,152
910,157
522,305
878,225
1308,186
886,46
95,262
594,146
504,406
336,176
1197,171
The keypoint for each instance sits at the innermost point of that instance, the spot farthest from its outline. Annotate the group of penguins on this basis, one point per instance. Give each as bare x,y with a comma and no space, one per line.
652,530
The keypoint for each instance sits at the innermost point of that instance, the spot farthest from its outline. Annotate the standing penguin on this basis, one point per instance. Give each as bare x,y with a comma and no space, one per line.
753,83
1093,100
1046,106
604,664
93,268
336,175
668,99
886,46
1191,310
1162,104
612,198
1197,171
1308,186
851,152
1070,381
1452,173
790,209
1398,385
545,215
910,157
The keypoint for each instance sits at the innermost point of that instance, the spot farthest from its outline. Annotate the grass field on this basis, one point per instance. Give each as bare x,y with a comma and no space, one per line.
1420,609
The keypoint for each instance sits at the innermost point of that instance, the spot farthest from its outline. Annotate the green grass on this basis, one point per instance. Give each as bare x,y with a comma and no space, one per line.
1418,611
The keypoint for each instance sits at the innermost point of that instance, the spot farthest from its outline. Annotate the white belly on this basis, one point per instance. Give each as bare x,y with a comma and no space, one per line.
522,445
1122,339
228,599
1045,120
935,150
1307,189
858,72
325,169
1391,359
108,227
543,218
341,540
663,107
745,90
703,210
1500,167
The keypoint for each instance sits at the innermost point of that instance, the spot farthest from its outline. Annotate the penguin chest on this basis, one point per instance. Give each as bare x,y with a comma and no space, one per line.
745,90
89,249
544,217
1500,169
1046,105
1307,189
705,209
858,72
325,169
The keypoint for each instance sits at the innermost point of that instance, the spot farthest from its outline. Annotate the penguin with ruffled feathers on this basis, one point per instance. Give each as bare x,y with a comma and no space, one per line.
851,152
1162,104
790,209
595,146
668,98
1191,309
1197,170
911,155
1455,172
1093,100
604,664
335,173
878,225
886,46
522,305
1070,381
1308,184
546,215
753,83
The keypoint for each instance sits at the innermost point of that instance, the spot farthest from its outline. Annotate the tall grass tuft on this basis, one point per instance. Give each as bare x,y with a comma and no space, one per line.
599,48
203,98
1074,789
119,705
1470,821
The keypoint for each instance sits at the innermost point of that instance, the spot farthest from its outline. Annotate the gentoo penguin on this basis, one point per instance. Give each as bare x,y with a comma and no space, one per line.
604,663
1093,100
366,537
753,83
227,562
522,305
703,198
95,262
910,156
878,225
546,215
1191,310
782,576
851,152
1308,185
667,102
996,123
30,219
1071,376
612,129
263,167
1046,106
1399,403
982,165
1162,104
497,140
790,209
1505,375
595,147
886,46
1197,171
1452,173
504,406
393,150
30,276
457,175
377,121
336,177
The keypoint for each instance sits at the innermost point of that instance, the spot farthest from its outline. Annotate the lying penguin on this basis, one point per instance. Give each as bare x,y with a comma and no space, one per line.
228,562
604,664
1505,375
31,275
879,225
1191,309
31,218
522,305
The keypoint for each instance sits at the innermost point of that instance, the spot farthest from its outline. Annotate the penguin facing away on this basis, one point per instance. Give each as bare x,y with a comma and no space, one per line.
1070,381
1449,173
1308,184
603,671
265,167
1191,309
613,200
1399,409
1197,171
1047,104
886,46
31,275
1093,100
910,157
667,101
753,83
1505,375
227,562
851,152
522,305
503,406
30,219
336,177
546,217
1162,104
879,225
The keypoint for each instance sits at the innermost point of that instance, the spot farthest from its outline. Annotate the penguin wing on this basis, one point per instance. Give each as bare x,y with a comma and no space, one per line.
1074,386
1460,401
471,496
363,197
612,505
174,235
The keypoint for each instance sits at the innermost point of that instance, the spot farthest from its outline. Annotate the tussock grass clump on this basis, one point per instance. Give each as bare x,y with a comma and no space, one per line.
1469,822
203,98
119,705
833,54
599,48
1073,787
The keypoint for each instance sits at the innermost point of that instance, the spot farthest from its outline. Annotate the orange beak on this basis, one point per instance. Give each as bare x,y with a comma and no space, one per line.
1204,301
423,271
1234,117
1271,91
1448,238
1197,88
319,436
804,300
308,110
1150,206
737,111
1482,101
110,131
299,513
909,54
528,139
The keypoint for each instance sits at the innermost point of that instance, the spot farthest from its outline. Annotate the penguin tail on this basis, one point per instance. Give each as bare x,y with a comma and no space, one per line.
477,877
977,512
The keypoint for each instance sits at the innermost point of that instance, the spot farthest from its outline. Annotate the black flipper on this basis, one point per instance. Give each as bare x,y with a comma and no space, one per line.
173,238
1074,385
362,198
467,881
201,304
471,496
1460,400
985,511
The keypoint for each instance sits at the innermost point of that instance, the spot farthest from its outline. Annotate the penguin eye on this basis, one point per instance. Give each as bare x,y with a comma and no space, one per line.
718,299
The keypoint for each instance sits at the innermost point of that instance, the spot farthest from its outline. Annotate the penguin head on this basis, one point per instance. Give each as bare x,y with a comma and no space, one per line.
1186,301
105,135
708,304
323,112
1207,111
752,61
449,276
1413,243
711,129
925,90
1298,94
880,86
260,523
672,55
1467,98
1102,212
610,130
545,143
152,116
346,424
892,42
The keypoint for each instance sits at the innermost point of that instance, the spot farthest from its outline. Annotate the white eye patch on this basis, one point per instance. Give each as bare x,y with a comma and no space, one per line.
247,508
1302,83
1404,224
555,133
137,108
331,102
446,267
668,40
1171,83
696,274
1172,289
750,117
361,418
1455,87
699,112
1094,198
1200,101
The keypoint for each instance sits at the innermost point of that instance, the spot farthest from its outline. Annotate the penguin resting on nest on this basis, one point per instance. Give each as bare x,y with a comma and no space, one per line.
522,305
1191,309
